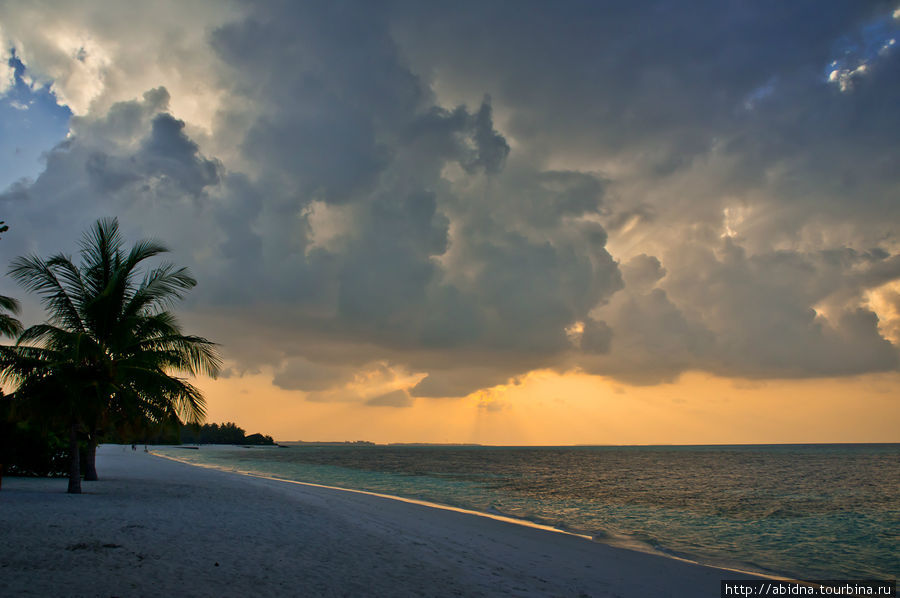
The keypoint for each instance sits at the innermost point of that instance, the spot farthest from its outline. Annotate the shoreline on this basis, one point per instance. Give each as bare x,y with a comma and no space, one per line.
159,526
495,516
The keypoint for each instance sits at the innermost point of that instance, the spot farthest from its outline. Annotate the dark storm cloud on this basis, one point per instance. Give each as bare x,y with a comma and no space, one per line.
166,157
385,282
387,192
749,316
469,139
693,117
739,96
763,308
301,374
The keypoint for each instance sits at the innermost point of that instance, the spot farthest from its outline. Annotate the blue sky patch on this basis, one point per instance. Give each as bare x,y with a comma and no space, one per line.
31,122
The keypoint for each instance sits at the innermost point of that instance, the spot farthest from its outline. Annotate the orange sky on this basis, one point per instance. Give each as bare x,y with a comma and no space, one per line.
548,408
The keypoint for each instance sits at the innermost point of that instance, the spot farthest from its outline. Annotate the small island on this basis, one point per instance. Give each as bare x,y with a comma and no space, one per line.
227,433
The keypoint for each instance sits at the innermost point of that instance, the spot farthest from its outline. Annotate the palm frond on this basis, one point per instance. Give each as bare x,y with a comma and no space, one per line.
185,398
142,250
156,394
69,275
38,277
160,289
192,355
9,304
42,334
9,326
101,251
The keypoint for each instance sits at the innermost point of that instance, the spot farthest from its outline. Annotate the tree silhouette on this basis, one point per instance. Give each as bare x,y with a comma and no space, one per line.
11,327
110,351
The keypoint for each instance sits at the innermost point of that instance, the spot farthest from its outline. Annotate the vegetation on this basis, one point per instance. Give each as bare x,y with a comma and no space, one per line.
178,433
109,356
29,450
227,433
11,327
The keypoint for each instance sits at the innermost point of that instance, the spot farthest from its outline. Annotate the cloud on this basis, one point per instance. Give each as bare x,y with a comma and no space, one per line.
134,160
7,72
301,374
782,314
647,339
100,54
623,190
167,162
395,398
458,382
663,111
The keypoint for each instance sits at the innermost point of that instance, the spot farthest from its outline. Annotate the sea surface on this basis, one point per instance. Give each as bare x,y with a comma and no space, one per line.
801,511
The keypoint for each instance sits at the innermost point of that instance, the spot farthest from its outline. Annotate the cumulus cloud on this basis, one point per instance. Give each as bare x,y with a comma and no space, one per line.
302,374
166,157
7,72
779,314
134,160
105,53
660,105
623,190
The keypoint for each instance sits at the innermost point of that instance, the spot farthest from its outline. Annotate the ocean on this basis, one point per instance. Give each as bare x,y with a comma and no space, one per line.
800,511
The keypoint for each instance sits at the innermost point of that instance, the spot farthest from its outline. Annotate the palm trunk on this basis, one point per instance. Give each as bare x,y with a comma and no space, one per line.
90,469
74,464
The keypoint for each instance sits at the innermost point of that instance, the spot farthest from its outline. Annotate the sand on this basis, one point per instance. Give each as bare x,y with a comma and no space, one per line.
156,527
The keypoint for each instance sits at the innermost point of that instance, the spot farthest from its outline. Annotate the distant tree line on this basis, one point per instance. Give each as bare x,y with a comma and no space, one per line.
227,433
178,433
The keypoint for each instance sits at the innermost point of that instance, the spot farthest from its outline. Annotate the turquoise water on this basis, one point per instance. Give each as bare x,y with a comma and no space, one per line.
803,511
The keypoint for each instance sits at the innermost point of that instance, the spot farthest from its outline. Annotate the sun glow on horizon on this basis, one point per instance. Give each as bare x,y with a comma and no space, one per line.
547,408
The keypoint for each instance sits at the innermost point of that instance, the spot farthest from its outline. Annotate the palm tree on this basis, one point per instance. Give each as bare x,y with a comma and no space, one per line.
9,326
52,387
111,352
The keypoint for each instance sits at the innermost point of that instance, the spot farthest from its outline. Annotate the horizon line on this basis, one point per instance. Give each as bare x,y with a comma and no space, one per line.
583,445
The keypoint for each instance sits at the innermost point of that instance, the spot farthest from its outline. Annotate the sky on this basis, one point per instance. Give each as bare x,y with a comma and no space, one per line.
640,222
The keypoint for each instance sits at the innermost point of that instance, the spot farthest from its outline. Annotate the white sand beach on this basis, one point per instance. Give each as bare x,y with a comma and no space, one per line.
156,527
